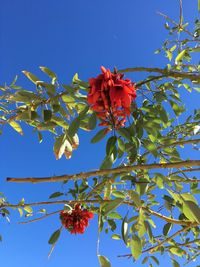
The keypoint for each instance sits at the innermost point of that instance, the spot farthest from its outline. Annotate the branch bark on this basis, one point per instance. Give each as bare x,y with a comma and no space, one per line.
118,170
165,72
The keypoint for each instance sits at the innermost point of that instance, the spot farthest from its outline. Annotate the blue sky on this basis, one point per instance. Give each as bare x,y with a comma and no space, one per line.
68,37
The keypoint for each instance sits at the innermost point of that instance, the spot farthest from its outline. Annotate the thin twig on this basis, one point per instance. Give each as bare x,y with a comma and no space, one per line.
186,244
186,170
175,23
150,80
152,249
181,13
176,143
40,218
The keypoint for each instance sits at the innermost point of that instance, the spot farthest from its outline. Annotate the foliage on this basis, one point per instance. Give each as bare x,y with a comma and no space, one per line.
144,192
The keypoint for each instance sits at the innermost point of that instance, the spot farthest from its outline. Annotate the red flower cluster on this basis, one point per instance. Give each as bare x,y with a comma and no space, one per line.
76,220
111,96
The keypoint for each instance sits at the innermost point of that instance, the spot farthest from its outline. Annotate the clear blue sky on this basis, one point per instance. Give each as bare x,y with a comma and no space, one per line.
68,37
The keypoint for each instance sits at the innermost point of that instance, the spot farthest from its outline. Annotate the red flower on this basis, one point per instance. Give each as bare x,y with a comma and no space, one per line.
111,96
76,220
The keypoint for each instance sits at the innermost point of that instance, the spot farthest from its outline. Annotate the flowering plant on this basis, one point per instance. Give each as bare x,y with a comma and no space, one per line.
111,96
76,220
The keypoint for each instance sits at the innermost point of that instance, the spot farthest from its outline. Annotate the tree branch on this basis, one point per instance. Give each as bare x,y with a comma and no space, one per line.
152,249
118,170
40,218
167,219
150,80
186,170
165,72
86,201
176,143
175,23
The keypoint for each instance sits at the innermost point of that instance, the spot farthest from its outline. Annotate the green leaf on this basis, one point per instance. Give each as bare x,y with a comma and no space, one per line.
47,126
51,89
56,194
149,230
15,125
5,211
113,204
135,198
118,194
28,209
178,110
114,215
110,145
107,162
50,73
155,260
59,121
47,114
68,99
82,84
92,121
136,246
124,133
145,260
141,188
56,107
169,54
99,136
104,262
124,229
199,5
74,126
177,251
175,263
121,144
163,114
151,147
54,237
180,56
33,115
24,96
196,49
31,76
116,237
189,197
20,212
141,226
191,211
167,227
173,48
159,180
61,145
40,138
14,81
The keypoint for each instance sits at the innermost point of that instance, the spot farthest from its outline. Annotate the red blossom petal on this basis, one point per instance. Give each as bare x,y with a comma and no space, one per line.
110,96
76,220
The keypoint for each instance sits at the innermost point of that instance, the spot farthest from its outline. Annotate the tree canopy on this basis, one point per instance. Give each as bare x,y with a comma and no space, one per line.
145,192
